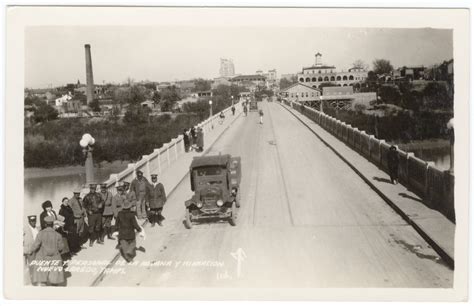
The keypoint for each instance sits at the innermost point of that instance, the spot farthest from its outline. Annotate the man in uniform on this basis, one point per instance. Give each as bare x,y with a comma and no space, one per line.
157,201
130,194
140,187
79,213
107,213
118,200
93,204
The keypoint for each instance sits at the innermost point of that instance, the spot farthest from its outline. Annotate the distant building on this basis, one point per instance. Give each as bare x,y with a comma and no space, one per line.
227,68
59,101
301,93
288,76
347,94
201,94
251,82
410,73
270,76
162,86
220,81
318,73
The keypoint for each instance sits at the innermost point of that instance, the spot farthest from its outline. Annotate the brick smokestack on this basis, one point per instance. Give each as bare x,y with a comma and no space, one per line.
89,75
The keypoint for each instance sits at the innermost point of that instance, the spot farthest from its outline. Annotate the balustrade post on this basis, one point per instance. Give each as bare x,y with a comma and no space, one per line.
148,172
176,148
381,141
429,164
409,154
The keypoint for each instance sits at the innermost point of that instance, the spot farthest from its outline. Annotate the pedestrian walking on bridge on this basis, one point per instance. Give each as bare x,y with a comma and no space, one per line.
260,112
393,162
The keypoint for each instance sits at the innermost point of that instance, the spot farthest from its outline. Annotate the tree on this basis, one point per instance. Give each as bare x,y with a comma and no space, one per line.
436,96
284,82
44,112
169,97
137,94
382,66
390,94
360,64
136,115
95,105
202,85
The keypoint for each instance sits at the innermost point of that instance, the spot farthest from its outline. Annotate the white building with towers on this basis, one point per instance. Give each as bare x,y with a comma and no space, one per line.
321,73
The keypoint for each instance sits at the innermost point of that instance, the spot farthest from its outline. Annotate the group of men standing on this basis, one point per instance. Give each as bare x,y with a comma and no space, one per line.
93,218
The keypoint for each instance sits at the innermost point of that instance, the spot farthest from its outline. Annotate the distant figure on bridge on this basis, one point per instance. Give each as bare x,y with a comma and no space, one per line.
127,225
193,138
233,110
107,212
157,201
393,161
186,141
260,112
244,106
93,204
200,140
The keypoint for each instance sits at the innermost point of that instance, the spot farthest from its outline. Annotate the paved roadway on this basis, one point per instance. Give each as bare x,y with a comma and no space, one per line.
306,220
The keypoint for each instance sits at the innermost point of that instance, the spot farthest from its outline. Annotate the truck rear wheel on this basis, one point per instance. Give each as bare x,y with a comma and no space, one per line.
187,221
233,217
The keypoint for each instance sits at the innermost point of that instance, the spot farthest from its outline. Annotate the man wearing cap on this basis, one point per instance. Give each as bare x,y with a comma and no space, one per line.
108,212
130,194
127,225
157,200
30,231
140,187
118,200
79,212
48,245
93,204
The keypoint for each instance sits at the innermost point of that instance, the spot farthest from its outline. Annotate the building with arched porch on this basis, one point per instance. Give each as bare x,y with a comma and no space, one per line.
319,73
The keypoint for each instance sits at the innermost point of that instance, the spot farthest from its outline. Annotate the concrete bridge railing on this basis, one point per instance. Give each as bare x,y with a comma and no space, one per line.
434,186
161,158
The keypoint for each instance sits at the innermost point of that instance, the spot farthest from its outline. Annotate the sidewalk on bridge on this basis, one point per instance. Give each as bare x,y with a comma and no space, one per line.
430,224
170,178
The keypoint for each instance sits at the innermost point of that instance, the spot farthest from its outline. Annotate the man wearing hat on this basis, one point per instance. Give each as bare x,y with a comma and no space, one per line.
79,212
118,200
93,205
139,186
127,225
29,235
157,200
48,246
108,212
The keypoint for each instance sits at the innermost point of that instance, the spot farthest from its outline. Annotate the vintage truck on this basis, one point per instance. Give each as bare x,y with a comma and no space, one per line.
215,181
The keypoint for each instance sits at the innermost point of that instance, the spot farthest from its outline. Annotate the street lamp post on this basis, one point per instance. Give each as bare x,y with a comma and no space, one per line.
210,113
86,143
232,99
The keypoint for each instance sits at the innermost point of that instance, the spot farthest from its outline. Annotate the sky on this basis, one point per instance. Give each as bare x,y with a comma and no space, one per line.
55,55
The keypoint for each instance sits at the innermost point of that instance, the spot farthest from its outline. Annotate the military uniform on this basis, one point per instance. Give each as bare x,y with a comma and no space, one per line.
93,204
79,213
157,200
140,187
107,213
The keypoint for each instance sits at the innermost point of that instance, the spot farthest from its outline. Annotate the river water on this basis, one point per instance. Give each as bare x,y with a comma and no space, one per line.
440,156
55,184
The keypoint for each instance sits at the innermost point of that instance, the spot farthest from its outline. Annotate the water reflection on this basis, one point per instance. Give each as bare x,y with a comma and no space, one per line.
54,188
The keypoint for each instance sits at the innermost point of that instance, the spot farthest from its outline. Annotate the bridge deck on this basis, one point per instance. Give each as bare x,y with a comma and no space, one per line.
306,220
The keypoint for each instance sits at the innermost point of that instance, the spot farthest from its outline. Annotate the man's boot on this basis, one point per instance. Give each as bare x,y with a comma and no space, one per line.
100,239
109,234
91,239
